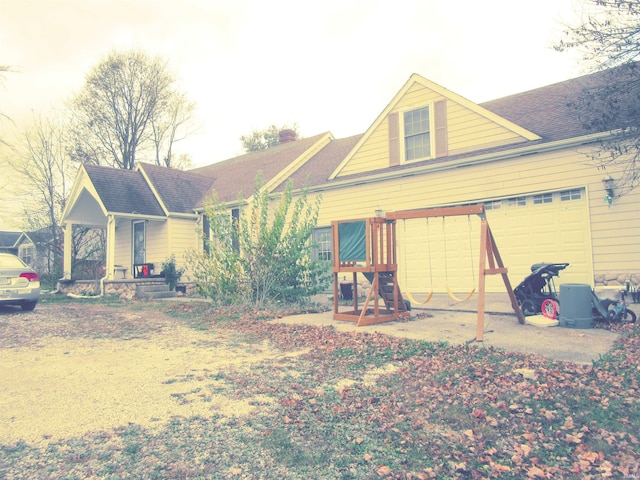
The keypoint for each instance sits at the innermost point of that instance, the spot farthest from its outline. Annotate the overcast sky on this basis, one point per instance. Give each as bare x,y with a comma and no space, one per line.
331,65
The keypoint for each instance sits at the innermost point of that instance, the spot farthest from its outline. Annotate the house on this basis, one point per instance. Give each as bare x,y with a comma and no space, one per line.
525,157
19,244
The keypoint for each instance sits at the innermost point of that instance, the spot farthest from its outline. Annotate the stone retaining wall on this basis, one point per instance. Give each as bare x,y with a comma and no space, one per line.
123,289
617,279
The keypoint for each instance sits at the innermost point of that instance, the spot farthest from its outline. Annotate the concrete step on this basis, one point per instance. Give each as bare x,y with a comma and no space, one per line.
154,291
153,295
159,287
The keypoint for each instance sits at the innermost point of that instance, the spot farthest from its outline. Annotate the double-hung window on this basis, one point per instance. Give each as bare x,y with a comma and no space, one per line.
417,134
322,244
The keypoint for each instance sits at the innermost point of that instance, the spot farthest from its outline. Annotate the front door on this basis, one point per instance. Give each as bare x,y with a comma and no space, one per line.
139,242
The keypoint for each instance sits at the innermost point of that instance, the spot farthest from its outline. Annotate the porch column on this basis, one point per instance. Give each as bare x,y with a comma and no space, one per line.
68,250
111,247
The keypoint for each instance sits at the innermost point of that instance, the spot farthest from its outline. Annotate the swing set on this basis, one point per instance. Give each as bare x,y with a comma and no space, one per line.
429,296
450,292
368,246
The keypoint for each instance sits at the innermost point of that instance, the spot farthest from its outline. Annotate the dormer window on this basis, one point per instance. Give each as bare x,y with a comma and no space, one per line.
417,134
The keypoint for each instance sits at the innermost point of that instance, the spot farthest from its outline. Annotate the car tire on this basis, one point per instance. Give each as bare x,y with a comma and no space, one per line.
28,306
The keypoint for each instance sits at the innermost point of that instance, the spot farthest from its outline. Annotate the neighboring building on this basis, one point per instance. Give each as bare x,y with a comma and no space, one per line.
525,157
18,243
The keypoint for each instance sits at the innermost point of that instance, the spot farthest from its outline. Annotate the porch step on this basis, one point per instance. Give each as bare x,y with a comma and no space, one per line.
154,291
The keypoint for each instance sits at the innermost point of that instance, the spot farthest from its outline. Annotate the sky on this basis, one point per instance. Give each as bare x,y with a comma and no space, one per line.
329,66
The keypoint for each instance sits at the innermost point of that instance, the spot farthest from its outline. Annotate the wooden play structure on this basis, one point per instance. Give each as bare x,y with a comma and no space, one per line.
368,246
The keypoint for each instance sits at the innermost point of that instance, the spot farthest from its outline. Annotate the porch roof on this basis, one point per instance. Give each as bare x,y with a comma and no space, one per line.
123,191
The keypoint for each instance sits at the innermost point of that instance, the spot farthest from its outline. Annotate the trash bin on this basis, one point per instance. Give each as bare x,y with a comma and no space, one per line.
346,290
575,306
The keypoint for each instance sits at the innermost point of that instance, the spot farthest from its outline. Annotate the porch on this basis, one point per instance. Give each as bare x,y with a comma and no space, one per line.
126,289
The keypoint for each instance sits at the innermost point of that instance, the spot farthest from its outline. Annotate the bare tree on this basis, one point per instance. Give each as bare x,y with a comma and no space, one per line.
170,126
128,106
4,69
41,158
609,40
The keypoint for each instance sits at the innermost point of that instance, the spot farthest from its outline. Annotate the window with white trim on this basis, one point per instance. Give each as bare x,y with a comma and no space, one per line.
493,204
322,244
417,134
27,253
567,195
517,202
543,198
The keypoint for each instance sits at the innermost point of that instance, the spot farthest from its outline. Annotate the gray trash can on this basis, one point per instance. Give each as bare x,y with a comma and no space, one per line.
575,306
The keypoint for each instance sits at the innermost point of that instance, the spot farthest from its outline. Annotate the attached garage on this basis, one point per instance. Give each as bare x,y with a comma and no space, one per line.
551,227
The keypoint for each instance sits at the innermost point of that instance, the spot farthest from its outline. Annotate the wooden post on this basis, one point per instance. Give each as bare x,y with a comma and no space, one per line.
481,280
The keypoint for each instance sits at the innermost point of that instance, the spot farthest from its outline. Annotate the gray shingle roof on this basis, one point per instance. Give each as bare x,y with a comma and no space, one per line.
179,191
544,111
318,169
123,191
9,239
238,174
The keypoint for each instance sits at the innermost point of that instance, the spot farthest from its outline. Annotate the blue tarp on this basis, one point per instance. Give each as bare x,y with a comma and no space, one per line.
353,241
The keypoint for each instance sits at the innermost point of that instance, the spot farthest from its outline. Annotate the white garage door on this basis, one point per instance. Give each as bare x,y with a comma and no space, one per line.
552,227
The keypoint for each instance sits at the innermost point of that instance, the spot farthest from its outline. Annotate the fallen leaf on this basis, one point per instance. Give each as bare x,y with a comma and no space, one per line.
383,470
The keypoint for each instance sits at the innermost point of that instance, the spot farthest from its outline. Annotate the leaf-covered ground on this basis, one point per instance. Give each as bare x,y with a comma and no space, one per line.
347,405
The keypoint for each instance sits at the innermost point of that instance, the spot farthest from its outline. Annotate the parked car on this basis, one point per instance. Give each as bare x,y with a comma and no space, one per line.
19,284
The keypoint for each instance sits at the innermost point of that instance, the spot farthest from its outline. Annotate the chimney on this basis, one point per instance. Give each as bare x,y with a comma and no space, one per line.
287,136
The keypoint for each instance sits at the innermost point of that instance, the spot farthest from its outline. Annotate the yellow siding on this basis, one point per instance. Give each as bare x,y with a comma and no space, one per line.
157,243
123,245
613,249
467,131
183,237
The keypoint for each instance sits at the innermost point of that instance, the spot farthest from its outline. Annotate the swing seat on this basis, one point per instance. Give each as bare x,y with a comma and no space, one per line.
452,295
413,300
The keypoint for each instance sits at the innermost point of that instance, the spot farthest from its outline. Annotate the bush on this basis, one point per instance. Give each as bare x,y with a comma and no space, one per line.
263,258
171,273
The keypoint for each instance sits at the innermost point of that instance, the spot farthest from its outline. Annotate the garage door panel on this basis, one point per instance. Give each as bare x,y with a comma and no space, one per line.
552,232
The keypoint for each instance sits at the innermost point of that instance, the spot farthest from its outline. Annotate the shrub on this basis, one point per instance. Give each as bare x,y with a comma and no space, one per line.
171,273
265,256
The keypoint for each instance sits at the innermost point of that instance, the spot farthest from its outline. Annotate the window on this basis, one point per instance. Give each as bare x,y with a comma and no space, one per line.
322,244
493,205
517,202
417,134
542,198
235,224
206,234
568,195
26,254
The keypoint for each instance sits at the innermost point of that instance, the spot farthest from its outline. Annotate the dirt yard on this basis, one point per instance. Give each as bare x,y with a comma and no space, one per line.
67,370
70,369
182,390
